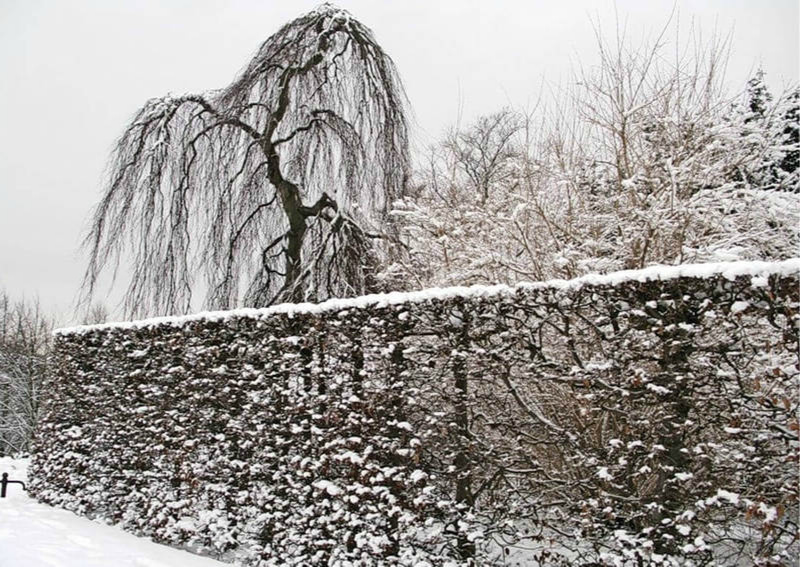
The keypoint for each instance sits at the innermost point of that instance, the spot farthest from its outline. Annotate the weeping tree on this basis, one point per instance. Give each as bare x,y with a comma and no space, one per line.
275,188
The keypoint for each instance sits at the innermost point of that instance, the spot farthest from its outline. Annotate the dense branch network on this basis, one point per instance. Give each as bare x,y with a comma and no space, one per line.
271,187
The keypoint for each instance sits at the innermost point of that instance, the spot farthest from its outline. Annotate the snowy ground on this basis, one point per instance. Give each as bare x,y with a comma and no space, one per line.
36,535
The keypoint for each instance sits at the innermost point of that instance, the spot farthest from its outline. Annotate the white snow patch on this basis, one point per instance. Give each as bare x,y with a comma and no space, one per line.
728,270
417,475
604,474
770,513
36,535
328,486
74,432
739,306
658,389
731,497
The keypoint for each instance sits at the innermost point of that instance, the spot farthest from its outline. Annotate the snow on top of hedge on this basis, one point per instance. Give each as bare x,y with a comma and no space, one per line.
729,270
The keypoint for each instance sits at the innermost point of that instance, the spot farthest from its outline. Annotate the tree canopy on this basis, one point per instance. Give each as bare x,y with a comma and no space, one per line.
274,188
642,161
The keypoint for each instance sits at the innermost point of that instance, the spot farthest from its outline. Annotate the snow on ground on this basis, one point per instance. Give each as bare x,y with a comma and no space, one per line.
37,535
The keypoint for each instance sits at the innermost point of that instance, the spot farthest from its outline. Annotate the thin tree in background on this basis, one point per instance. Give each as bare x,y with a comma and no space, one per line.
274,188
24,354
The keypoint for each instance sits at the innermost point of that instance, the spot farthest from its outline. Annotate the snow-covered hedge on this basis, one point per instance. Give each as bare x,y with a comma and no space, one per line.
643,417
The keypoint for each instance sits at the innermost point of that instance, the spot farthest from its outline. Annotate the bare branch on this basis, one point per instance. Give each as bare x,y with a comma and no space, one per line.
314,123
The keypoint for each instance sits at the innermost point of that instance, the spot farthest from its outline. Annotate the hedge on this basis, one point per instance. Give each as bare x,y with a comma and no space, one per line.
640,418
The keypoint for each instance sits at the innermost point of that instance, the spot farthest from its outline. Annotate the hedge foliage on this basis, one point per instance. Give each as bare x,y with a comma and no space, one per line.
647,422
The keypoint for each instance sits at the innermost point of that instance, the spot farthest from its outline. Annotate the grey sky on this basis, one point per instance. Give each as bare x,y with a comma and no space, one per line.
73,72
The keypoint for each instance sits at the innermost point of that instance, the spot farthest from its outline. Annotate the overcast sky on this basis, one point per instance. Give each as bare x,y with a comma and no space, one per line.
72,72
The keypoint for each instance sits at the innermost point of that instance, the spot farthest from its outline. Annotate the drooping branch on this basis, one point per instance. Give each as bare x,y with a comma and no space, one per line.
312,130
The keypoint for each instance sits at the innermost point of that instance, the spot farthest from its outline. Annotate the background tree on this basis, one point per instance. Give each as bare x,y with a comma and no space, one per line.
96,314
645,160
759,98
791,130
24,353
484,153
274,187
770,129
